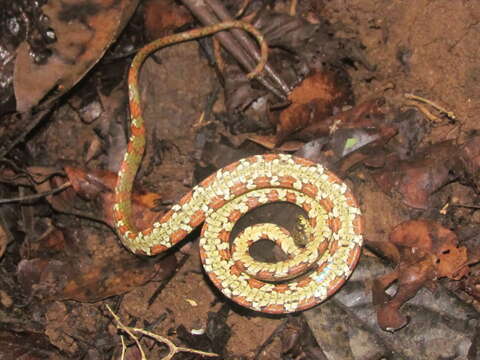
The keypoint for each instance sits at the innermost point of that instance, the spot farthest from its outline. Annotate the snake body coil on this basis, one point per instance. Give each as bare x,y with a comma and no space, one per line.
311,272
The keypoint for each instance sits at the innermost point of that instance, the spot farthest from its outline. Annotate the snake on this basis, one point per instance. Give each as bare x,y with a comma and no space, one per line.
315,264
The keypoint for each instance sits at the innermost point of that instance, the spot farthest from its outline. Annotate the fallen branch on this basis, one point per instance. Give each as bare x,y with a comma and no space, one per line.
173,349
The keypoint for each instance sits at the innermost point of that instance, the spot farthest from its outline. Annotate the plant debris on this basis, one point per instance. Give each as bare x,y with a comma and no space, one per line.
425,251
366,90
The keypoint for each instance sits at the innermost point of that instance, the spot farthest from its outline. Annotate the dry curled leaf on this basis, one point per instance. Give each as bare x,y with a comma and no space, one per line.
96,184
425,251
313,101
285,31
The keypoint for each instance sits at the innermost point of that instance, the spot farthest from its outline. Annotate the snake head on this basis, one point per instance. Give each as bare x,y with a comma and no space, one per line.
302,232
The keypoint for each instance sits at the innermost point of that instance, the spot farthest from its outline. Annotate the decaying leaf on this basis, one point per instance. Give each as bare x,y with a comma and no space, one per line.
239,93
26,345
79,262
163,17
100,184
84,31
8,226
346,326
367,116
346,148
423,174
313,101
357,133
114,276
285,31
470,158
425,251
85,265
419,177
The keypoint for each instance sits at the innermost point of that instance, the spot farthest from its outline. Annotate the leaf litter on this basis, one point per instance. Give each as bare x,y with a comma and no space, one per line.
413,165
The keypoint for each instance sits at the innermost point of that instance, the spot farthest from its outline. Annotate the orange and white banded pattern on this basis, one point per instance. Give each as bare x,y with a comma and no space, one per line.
333,224
326,261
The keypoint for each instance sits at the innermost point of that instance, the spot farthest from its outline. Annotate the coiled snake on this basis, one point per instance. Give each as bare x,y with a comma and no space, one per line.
332,226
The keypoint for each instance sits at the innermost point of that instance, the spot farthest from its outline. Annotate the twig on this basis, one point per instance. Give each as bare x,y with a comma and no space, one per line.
423,109
442,110
466,206
293,8
243,8
33,121
23,199
217,53
222,13
199,9
124,347
24,173
173,349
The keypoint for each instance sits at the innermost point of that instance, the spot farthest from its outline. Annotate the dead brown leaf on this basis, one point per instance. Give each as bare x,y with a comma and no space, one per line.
470,157
367,115
84,265
417,178
313,102
114,278
80,262
99,184
26,345
84,31
163,17
425,251
285,31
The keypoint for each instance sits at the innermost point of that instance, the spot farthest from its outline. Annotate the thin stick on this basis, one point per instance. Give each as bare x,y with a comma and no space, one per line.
173,349
447,113
23,199
423,109
32,122
293,8
219,9
199,9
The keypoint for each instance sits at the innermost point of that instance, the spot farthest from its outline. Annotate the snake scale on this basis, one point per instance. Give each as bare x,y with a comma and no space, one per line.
332,225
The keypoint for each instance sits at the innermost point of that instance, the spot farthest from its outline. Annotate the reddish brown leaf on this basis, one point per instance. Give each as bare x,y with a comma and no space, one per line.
82,264
90,184
114,278
312,102
90,267
421,236
268,141
100,184
367,115
50,242
163,17
426,251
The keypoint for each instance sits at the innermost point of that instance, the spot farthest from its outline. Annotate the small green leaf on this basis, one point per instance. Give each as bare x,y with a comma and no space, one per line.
350,143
